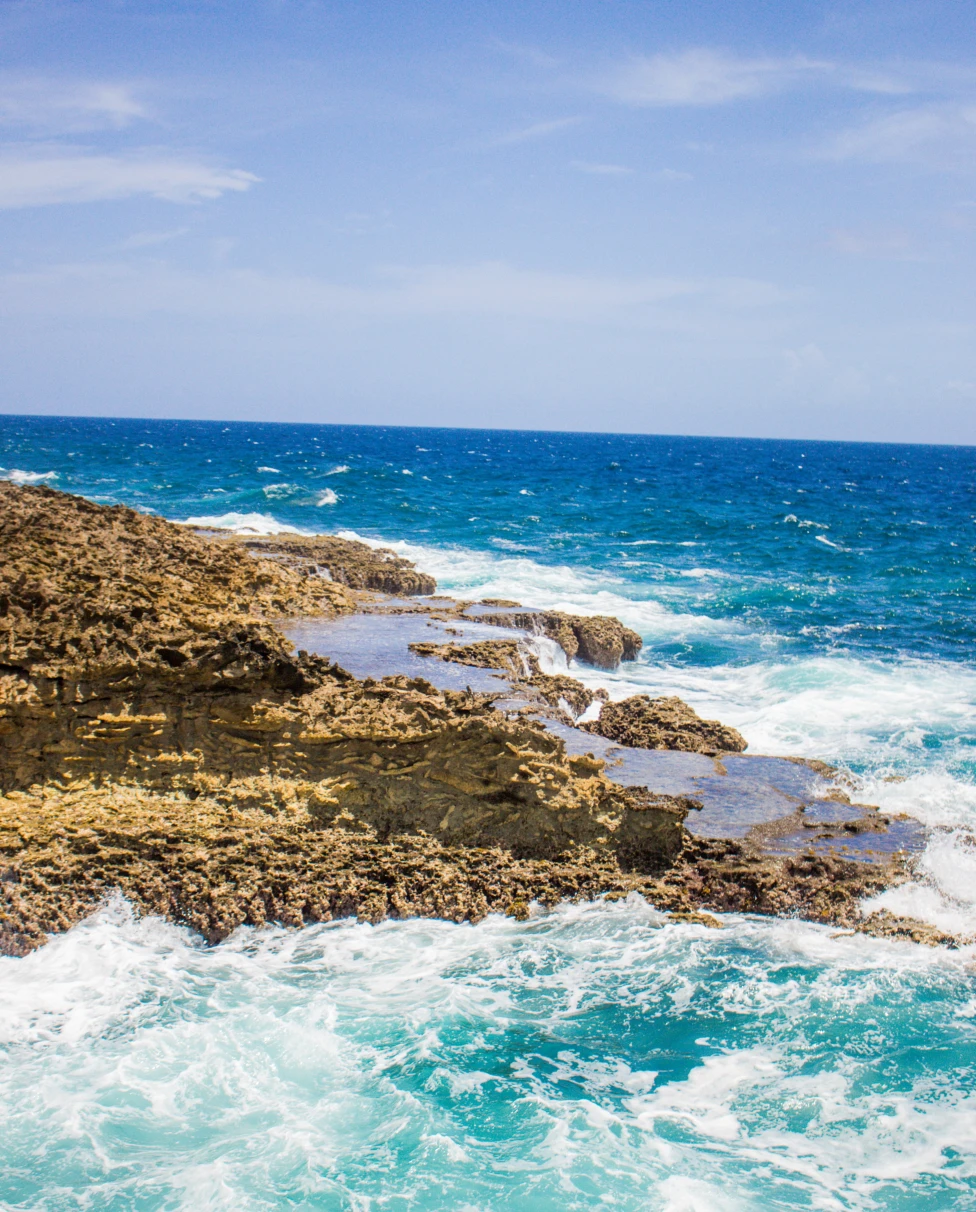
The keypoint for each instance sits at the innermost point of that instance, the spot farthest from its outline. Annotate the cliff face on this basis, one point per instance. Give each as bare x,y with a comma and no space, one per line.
138,675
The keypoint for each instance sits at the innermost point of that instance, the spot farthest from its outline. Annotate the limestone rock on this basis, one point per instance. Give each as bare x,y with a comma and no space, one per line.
641,722
346,560
483,654
599,640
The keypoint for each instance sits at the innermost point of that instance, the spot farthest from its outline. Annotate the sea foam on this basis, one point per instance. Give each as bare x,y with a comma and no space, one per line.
244,523
592,1054
16,476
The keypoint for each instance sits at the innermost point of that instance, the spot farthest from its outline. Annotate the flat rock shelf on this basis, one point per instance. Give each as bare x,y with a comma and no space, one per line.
780,805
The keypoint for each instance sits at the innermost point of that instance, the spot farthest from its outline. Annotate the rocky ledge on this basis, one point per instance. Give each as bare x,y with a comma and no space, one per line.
159,737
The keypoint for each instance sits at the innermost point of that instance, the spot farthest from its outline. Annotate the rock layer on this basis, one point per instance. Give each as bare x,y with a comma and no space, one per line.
136,662
347,561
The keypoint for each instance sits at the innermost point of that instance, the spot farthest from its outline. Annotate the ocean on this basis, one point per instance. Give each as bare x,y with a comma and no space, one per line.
817,596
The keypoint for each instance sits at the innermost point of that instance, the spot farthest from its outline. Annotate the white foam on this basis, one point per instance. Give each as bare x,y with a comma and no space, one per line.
244,523
16,476
424,1063
338,470
274,470
839,708
821,538
474,574
327,497
278,492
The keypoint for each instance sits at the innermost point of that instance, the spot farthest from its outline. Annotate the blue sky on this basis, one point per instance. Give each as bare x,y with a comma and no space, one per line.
710,218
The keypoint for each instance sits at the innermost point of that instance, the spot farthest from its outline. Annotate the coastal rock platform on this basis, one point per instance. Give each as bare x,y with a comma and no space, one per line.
159,736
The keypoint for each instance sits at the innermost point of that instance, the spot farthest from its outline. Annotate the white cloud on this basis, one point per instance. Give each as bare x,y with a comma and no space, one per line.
492,288
43,176
148,239
63,107
941,136
701,76
601,170
538,130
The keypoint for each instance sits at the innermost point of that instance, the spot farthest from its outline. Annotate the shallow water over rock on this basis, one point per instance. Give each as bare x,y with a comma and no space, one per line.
783,806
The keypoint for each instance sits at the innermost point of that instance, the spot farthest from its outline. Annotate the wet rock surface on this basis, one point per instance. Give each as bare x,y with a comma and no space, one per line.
641,722
599,640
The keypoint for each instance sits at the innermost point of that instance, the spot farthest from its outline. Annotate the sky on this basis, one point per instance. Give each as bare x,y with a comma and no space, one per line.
748,218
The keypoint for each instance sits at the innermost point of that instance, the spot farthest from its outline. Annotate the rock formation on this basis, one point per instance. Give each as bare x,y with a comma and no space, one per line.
665,723
345,560
139,676
598,640
159,737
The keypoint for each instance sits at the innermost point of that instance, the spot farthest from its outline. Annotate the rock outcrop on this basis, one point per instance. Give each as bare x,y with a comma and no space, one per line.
598,640
347,561
665,723
87,588
139,677
159,737
506,655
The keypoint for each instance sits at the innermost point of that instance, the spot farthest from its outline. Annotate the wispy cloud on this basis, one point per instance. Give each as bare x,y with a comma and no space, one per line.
537,130
43,176
941,136
53,106
702,76
892,244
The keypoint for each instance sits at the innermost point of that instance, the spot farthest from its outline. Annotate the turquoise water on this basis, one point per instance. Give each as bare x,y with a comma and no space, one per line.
819,597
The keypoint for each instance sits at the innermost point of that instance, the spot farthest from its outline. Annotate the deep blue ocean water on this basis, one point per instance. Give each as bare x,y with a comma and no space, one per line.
819,597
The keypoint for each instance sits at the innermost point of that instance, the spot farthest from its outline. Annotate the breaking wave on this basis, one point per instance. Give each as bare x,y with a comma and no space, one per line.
595,1054
16,476
244,523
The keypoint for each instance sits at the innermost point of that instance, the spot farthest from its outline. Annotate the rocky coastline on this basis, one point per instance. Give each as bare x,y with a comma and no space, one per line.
159,737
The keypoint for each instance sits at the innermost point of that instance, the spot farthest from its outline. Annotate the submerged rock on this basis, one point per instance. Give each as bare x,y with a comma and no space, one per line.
641,722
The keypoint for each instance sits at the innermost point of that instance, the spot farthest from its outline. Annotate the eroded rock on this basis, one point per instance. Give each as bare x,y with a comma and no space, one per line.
347,561
663,723
599,640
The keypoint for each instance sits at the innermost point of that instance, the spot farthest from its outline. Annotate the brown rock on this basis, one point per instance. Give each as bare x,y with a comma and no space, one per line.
641,722
484,654
139,678
556,688
599,640
345,560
